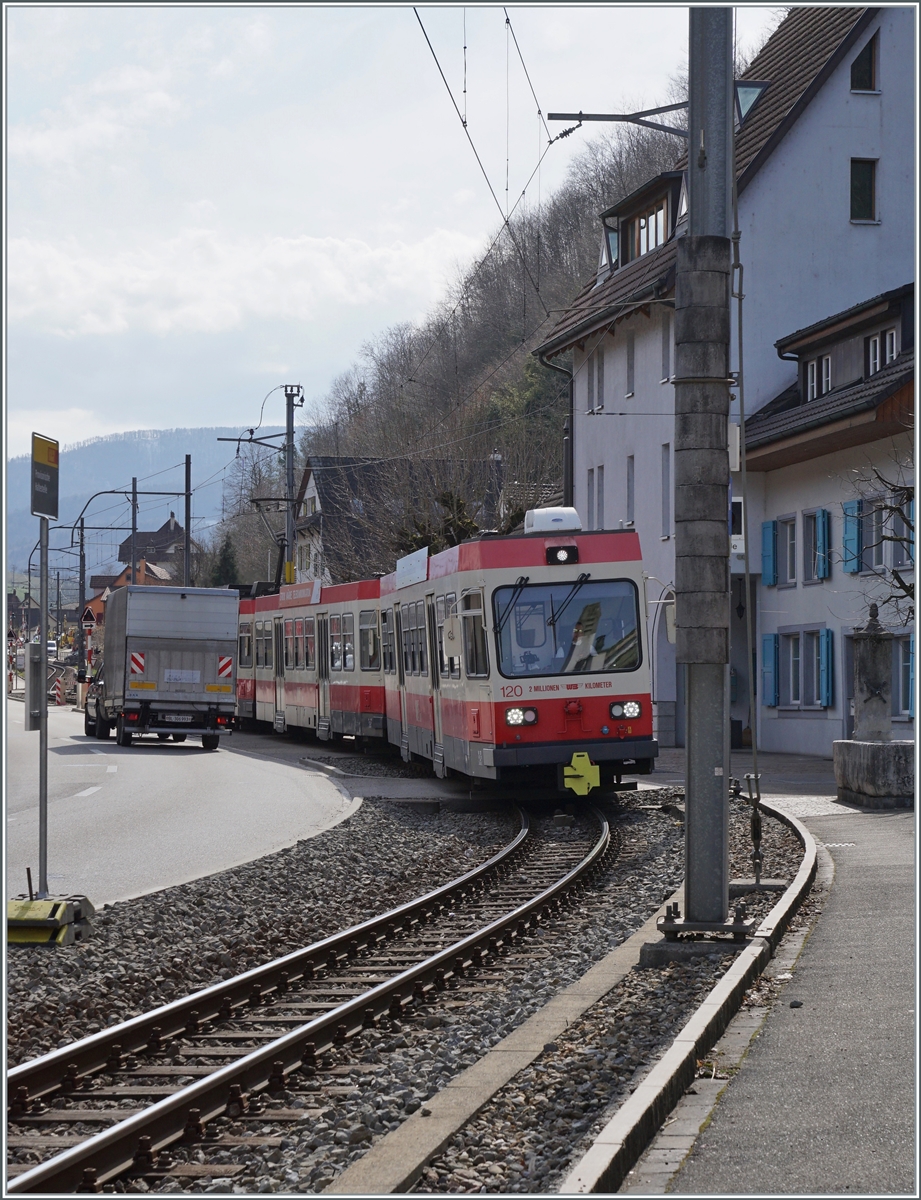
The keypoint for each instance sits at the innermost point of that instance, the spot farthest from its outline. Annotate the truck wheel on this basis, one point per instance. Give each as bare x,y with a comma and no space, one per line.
89,727
163,737
209,741
178,737
103,728
122,735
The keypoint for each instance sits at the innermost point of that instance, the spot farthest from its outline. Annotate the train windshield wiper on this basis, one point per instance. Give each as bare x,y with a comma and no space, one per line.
518,589
583,578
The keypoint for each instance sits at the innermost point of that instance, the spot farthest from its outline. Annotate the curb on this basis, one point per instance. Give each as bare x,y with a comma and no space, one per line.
619,1145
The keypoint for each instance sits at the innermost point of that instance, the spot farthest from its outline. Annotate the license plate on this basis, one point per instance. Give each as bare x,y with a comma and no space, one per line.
176,719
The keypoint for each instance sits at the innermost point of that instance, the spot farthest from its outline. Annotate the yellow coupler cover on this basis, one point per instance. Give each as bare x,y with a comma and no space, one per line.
57,921
581,774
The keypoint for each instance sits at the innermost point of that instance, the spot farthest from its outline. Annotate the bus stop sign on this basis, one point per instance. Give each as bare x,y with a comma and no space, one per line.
44,477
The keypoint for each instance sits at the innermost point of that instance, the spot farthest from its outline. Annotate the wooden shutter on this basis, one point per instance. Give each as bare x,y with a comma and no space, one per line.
851,542
768,553
823,543
826,668
770,668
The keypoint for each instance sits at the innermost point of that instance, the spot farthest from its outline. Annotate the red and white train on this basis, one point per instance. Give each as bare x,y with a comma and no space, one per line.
499,654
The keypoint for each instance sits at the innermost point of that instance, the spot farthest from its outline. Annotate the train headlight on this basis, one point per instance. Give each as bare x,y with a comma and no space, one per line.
632,709
521,716
625,708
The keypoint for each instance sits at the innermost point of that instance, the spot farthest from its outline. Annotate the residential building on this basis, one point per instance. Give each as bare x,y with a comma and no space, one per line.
825,182
163,546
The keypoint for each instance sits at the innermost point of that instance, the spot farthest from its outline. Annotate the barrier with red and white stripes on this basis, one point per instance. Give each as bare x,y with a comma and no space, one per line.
137,662
59,692
224,666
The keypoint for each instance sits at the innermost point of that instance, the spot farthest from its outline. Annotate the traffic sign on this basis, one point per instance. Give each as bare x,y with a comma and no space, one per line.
44,477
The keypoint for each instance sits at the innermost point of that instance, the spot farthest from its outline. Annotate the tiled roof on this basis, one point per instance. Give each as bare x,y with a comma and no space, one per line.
796,60
783,417
596,304
894,294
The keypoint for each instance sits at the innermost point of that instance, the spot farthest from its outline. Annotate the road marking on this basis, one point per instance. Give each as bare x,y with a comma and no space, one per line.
98,752
111,770
86,792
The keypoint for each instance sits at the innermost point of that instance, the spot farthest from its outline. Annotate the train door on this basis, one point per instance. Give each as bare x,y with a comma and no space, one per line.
438,753
401,681
279,675
323,718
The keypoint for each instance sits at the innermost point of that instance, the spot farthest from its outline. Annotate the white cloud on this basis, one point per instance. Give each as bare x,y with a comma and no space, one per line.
65,425
205,281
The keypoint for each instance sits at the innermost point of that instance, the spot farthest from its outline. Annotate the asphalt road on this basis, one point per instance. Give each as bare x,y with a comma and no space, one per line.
123,821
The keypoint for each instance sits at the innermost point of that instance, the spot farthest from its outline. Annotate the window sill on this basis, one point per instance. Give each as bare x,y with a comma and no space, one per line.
786,585
866,92
666,537
812,582
860,221
629,395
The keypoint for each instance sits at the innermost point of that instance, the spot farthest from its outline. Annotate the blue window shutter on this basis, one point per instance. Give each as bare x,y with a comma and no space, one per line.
770,669
769,553
851,541
823,543
911,676
826,668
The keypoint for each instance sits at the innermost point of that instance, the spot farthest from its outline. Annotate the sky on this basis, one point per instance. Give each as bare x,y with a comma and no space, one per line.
203,203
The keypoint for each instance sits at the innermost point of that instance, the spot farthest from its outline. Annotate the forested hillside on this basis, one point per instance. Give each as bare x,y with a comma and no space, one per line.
463,385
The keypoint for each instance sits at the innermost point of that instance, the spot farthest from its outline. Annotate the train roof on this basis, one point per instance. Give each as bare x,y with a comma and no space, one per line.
494,552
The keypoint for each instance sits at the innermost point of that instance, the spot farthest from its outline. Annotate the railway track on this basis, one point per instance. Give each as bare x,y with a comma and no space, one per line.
114,1103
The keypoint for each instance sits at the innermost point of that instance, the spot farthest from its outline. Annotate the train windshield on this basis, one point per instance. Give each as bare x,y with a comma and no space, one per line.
567,628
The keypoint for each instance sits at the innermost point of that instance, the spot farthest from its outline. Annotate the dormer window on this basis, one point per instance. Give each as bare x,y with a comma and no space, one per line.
644,232
826,374
890,345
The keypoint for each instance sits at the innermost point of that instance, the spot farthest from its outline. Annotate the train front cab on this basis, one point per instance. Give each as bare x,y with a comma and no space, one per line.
523,652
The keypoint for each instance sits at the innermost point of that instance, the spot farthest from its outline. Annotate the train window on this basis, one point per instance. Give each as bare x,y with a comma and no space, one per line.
298,644
289,645
475,656
421,638
348,641
451,611
407,613
440,633
388,647
567,628
246,644
260,646
368,641
310,658
335,643
267,643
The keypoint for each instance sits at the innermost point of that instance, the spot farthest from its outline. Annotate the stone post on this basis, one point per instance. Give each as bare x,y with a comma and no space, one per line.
871,769
872,681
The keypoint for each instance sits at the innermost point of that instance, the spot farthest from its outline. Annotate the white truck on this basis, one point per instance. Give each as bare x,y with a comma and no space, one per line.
169,665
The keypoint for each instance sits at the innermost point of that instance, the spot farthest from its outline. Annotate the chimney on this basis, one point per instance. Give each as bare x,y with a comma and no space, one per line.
172,521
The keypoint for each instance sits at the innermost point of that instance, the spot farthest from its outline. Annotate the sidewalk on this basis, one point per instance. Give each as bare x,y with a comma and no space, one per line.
824,1102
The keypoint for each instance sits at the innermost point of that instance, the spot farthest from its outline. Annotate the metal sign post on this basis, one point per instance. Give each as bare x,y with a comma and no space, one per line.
45,507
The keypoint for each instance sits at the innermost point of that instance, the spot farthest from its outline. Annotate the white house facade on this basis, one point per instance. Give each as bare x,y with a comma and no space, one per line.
827,211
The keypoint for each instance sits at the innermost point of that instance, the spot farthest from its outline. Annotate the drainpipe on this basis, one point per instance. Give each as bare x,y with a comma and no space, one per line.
568,431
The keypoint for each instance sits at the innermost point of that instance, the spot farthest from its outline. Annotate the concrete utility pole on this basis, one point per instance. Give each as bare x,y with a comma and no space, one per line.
291,394
132,578
187,555
81,602
702,333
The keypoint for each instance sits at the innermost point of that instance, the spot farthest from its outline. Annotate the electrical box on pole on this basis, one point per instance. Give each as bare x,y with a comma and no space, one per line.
34,679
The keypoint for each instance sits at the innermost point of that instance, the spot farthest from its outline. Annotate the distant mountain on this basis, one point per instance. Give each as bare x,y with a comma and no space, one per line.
155,456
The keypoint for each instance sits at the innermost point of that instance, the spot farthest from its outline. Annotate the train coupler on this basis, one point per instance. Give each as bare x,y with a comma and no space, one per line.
580,775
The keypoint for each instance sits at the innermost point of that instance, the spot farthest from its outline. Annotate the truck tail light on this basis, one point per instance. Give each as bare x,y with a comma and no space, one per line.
223,720
132,716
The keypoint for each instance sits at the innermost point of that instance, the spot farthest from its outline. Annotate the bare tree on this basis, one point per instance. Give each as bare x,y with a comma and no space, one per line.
888,532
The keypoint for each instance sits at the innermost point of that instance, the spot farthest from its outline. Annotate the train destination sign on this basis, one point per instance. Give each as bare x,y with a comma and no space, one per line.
44,477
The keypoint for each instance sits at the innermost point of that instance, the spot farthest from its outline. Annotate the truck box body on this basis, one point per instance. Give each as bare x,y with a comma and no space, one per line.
171,652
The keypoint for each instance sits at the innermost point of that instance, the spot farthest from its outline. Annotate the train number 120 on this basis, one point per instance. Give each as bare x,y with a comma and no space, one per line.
511,692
